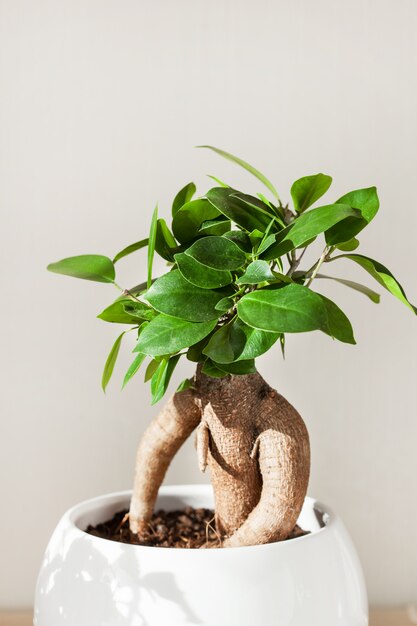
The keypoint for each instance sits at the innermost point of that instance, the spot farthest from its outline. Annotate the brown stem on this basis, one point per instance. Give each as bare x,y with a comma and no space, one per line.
284,463
159,444
255,445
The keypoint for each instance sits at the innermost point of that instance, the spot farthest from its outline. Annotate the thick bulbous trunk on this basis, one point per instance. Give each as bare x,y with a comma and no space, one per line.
255,445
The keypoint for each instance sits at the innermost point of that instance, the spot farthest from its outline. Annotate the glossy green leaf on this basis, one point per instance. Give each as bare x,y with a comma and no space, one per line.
165,244
162,376
348,246
372,295
137,362
256,272
290,309
381,274
307,190
338,325
367,202
151,244
240,238
183,196
249,342
249,168
238,210
151,369
187,383
220,348
167,335
218,181
210,369
110,362
129,249
189,218
195,352
258,205
201,275
139,310
117,314
237,341
175,296
87,266
217,252
294,309
225,304
307,226
238,368
215,227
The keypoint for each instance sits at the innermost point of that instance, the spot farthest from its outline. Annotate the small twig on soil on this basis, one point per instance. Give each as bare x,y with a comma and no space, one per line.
209,526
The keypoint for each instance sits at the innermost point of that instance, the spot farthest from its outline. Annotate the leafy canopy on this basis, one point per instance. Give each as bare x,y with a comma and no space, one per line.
234,286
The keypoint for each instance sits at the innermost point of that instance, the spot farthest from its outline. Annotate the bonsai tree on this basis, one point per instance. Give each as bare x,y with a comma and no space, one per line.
235,285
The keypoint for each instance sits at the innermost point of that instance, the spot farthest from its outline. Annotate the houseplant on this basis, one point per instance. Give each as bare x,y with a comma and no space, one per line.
235,285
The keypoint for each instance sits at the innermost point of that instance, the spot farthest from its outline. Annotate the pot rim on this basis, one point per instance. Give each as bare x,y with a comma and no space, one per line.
71,518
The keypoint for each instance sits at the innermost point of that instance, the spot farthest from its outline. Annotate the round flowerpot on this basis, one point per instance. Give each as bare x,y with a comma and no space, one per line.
313,580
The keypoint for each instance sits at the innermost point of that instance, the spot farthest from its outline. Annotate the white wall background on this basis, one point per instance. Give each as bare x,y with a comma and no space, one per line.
101,104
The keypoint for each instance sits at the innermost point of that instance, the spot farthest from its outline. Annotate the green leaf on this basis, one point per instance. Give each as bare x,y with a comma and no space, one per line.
381,274
165,244
265,243
87,266
372,295
227,202
249,168
258,205
307,226
367,202
183,196
239,368
129,249
151,369
162,376
195,352
110,362
151,244
117,314
175,296
290,309
241,239
210,369
338,325
307,190
236,341
215,227
189,218
137,362
225,304
185,384
167,335
249,343
220,348
218,181
294,309
348,246
139,310
201,275
217,252
256,272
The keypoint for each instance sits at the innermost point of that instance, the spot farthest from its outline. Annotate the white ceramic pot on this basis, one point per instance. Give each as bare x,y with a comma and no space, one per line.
314,580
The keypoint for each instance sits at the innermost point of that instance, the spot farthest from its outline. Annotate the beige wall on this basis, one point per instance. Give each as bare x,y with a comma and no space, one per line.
101,104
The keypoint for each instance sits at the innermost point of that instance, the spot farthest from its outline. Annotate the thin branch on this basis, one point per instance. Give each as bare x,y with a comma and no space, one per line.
295,263
318,265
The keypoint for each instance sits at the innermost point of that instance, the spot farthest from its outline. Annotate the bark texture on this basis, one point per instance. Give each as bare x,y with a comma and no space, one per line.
256,447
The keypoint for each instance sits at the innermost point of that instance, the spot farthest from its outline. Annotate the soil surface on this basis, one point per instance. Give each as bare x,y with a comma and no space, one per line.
188,528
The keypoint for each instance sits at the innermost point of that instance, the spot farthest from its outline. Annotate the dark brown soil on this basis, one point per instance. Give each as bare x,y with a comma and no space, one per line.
188,528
